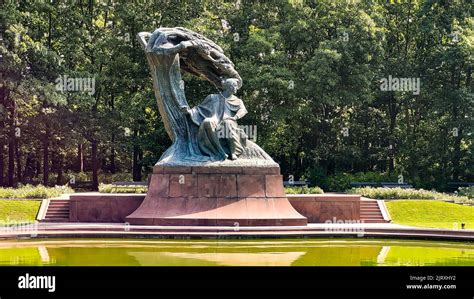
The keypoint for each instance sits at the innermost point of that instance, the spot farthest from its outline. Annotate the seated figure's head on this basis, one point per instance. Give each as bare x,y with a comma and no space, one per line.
230,86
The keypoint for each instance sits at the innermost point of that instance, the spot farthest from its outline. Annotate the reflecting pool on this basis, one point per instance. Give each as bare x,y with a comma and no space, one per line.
281,252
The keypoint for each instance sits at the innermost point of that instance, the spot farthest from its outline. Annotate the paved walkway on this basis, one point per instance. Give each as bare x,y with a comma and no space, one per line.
122,230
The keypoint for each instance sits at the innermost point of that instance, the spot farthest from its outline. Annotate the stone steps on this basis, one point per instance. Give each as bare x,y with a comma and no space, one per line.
377,230
370,212
57,211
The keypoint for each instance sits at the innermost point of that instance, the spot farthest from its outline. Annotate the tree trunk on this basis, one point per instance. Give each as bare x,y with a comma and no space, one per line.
140,159
457,155
28,173
11,159
393,111
46,156
37,168
95,178
2,164
4,92
80,158
113,166
2,152
137,169
59,179
19,172
457,139
137,174
457,144
11,143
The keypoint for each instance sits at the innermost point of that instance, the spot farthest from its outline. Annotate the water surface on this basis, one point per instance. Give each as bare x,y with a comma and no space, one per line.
297,252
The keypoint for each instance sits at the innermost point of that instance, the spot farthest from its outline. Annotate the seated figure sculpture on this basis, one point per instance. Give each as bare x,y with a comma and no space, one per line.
219,136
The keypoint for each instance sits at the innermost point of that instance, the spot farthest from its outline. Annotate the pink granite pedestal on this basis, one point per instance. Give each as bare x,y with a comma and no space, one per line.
216,196
322,208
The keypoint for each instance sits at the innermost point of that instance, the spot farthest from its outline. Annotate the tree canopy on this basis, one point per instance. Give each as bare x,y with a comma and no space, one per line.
311,73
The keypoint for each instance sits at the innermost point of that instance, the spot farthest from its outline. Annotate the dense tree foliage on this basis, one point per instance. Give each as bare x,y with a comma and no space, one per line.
312,74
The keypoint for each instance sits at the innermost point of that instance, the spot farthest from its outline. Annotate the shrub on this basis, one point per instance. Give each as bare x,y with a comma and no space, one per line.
341,181
400,193
317,176
303,190
108,178
34,192
108,188
466,191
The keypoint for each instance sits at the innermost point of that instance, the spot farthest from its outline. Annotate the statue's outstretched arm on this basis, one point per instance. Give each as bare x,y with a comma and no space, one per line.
241,112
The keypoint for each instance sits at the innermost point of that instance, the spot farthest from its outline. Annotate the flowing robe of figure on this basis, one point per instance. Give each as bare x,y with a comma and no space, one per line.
219,134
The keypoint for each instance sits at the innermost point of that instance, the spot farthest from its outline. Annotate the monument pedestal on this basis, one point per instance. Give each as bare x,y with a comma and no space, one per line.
216,196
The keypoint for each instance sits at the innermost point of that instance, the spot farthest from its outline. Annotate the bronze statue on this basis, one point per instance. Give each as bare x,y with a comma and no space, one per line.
207,133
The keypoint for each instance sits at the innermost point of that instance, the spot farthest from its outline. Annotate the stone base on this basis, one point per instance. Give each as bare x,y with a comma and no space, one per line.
322,208
216,196
102,207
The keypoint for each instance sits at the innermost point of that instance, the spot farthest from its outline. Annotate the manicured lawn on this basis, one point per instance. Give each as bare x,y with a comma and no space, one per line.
18,210
431,213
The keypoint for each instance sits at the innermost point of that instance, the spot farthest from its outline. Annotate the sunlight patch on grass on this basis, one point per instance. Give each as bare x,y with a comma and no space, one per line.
431,213
19,210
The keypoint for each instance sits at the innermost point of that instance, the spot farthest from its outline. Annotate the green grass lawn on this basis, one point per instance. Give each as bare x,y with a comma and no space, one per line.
18,210
431,213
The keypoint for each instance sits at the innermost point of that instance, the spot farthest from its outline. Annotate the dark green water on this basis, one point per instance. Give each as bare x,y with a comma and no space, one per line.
297,252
